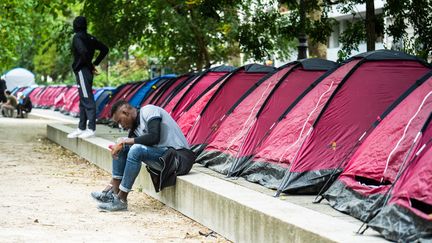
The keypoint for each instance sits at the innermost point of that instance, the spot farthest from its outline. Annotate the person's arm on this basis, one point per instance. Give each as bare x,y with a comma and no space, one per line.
152,137
82,50
103,51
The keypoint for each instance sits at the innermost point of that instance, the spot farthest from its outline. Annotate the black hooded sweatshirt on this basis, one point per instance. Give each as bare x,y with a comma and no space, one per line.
84,46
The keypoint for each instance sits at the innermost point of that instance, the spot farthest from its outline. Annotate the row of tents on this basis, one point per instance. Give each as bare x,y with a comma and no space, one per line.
357,134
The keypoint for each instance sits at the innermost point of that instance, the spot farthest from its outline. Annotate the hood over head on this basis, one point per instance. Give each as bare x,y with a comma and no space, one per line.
80,24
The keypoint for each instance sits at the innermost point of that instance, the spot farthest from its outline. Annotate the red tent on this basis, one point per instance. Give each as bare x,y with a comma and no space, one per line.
374,166
408,215
71,101
47,99
269,97
34,96
227,93
195,88
191,114
121,94
38,95
69,96
264,159
60,99
375,83
164,90
73,109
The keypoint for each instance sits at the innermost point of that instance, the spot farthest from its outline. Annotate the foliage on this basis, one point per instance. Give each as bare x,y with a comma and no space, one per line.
187,35
415,13
33,36
124,71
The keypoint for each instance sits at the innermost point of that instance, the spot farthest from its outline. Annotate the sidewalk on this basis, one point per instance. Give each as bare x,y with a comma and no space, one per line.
46,197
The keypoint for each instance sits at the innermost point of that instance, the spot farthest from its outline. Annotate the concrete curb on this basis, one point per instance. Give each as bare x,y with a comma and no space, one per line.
238,213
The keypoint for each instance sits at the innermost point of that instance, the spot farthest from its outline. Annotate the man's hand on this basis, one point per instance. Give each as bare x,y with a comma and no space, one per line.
116,149
95,71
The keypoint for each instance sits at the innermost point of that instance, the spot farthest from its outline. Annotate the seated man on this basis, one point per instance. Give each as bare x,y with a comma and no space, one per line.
155,139
10,105
24,105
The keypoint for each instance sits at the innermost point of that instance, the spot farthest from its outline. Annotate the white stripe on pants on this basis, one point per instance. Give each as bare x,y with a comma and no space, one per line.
82,84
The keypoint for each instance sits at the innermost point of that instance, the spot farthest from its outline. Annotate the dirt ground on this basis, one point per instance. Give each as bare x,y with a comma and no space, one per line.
45,197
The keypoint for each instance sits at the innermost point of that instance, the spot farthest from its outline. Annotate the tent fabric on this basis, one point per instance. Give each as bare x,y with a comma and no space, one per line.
176,90
198,78
382,55
221,146
164,87
35,96
370,88
29,90
158,91
196,88
408,215
18,77
73,109
272,95
162,96
60,99
145,89
374,166
61,102
122,92
71,101
190,92
274,150
192,113
227,94
102,96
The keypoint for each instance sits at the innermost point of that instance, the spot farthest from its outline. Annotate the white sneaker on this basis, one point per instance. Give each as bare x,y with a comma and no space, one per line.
88,133
75,133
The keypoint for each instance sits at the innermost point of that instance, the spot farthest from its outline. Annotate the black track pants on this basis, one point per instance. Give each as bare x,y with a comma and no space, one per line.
87,103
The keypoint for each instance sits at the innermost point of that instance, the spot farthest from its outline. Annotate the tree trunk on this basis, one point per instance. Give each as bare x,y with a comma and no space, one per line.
203,55
370,25
317,49
126,54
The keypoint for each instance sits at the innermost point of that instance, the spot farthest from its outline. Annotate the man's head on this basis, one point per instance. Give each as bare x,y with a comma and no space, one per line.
123,114
80,24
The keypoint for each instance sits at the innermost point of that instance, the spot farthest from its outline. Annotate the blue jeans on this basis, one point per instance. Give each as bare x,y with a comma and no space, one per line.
127,165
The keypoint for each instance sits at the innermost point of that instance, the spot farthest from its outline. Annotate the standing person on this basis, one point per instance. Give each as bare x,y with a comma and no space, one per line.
154,139
83,50
3,88
9,107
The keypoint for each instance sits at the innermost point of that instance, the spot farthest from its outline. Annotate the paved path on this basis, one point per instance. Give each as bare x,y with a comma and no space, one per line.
45,197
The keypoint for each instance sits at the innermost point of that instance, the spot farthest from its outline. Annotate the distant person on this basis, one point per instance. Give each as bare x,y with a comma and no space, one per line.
83,50
3,88
24,105
154,139
9,107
